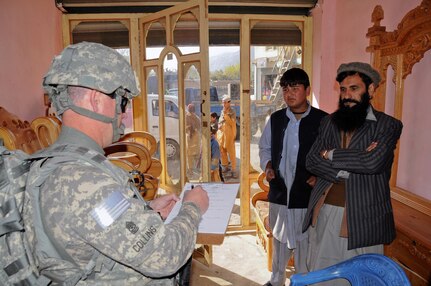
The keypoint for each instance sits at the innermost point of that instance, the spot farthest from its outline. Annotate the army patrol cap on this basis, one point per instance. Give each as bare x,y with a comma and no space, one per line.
93,66
363,68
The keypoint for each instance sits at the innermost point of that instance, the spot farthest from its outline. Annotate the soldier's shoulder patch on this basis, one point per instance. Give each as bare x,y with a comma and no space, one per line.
110,209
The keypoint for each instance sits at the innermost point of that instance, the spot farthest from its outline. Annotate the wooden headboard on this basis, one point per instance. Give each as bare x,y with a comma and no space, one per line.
401,49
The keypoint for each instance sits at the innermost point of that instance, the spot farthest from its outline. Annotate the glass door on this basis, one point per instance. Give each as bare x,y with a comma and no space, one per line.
175,90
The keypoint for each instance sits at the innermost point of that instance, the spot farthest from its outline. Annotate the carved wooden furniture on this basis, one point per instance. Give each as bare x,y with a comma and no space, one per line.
149,141
132,155
135,153
16,133
401,49
412,246
47,129
142,137
261,211
29,137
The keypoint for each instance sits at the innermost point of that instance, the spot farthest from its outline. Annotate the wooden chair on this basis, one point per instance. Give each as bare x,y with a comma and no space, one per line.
142,137
155,168
17,134
149,141
261,210
47,129
149,187
131,155
135,153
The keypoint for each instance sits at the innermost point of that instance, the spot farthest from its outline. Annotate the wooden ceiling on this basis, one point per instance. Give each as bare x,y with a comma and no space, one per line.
280,7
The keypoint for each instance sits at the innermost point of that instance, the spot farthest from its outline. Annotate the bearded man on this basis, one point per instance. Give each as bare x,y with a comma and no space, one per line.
350,207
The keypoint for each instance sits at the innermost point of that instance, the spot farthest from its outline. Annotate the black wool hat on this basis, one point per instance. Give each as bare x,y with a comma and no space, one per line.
364,68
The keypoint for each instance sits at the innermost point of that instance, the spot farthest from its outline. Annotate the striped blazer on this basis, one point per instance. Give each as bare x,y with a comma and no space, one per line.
370,219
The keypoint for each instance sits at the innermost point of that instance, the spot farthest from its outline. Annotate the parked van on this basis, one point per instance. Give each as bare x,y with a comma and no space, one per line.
172,123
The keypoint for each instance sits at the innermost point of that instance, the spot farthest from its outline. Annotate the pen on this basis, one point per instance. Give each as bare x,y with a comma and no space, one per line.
192,187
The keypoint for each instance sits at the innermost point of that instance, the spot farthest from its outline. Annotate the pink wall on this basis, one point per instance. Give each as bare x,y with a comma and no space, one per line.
339,36
415,154
31,36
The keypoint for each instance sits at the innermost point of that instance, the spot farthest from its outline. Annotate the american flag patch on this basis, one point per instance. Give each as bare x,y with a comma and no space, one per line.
110,209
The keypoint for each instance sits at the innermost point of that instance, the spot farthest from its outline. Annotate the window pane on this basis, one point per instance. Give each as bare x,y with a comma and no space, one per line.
193,123
114,34
172,124
186,34
268,62
224,63
155,40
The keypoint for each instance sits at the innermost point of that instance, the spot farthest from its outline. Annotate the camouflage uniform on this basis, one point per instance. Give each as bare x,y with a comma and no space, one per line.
144,250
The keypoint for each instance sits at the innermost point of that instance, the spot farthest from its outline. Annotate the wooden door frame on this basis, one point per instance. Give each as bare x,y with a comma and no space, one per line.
247,177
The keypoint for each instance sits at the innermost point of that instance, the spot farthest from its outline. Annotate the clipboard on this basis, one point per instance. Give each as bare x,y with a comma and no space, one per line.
213,225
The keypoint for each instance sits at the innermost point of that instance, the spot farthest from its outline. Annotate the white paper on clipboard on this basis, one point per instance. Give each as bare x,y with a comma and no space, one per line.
221,200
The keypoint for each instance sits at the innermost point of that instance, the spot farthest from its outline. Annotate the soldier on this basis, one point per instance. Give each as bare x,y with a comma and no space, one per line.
88,211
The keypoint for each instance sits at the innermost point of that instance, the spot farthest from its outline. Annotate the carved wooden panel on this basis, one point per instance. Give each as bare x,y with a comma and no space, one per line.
402,49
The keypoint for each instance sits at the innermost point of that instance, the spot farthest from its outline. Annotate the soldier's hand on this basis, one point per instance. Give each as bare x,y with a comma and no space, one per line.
198,196
164,204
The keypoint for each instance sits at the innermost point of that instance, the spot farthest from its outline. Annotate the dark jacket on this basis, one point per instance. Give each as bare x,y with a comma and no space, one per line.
368,201
308,128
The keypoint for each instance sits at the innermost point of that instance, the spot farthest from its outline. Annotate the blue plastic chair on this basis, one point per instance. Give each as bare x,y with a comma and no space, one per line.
361,270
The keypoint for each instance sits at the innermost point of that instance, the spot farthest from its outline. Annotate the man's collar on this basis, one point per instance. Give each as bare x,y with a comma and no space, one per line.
370,114
290,114
69,135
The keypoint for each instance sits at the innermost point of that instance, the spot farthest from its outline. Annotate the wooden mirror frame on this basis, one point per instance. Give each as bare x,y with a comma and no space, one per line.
401,49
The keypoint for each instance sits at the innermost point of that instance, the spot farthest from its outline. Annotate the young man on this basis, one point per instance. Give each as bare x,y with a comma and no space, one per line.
87,210
350,207
285,142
